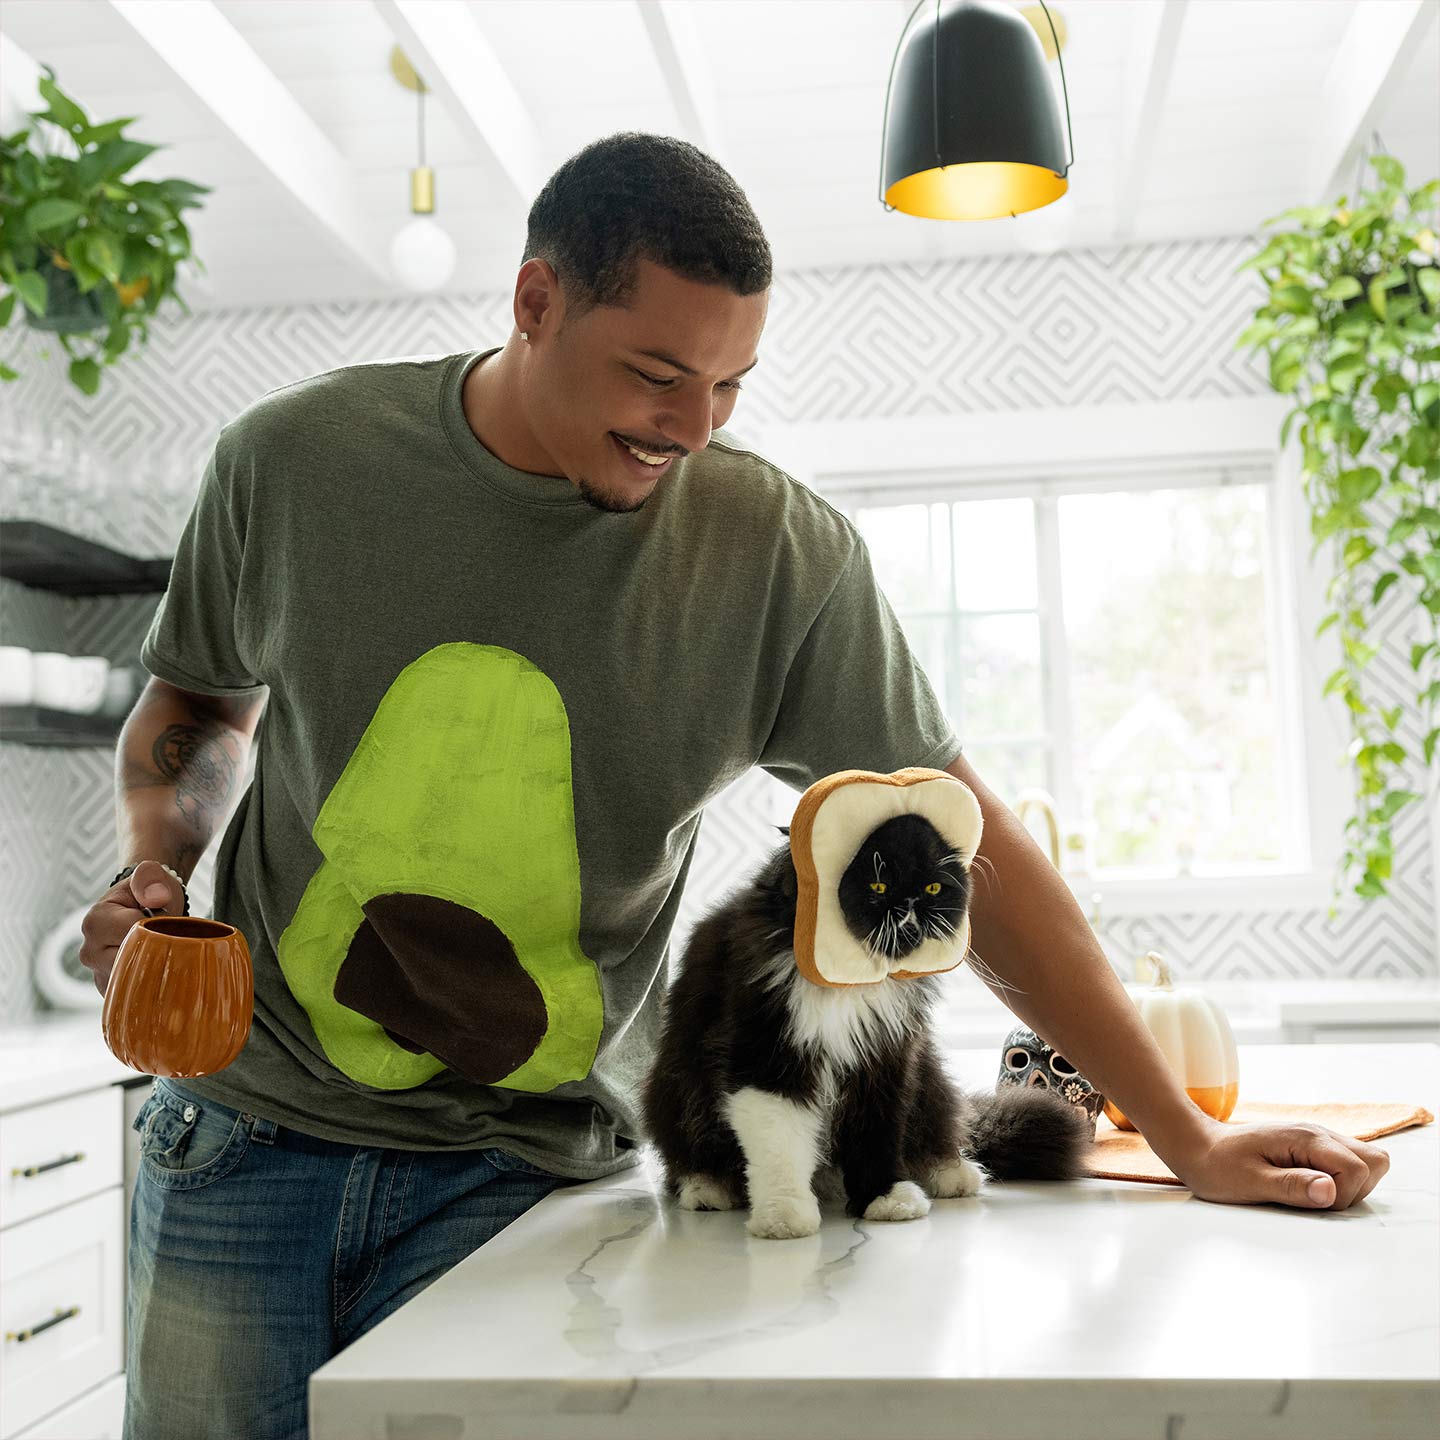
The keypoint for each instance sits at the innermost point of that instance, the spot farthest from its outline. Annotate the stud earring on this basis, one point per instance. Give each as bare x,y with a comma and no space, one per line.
525,336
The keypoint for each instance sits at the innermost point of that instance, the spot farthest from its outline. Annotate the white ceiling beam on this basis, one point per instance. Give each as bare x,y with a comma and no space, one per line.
215,62
450,52
1369,64
1150,65
683,66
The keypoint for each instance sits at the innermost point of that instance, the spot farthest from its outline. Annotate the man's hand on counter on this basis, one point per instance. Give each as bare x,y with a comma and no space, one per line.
1297,1163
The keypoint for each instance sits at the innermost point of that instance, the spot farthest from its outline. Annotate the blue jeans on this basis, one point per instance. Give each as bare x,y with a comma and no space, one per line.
257,1253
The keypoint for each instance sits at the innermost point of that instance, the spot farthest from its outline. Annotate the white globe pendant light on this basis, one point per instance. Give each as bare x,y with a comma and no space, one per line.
422,254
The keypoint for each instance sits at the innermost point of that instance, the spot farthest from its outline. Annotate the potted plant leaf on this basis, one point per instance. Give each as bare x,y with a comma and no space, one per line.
89,255
1352,326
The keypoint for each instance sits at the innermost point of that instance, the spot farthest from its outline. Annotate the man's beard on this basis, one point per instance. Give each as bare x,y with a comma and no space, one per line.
598,500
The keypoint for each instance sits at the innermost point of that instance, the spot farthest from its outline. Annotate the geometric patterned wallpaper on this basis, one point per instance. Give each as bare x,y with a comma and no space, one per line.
1125,323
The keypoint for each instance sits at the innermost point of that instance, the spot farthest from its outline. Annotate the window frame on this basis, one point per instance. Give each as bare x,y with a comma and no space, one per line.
1095,448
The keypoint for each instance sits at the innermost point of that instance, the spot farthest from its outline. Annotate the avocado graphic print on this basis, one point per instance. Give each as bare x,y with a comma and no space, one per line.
442,926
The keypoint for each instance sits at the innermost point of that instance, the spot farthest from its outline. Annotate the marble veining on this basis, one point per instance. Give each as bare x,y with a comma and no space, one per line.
593,1326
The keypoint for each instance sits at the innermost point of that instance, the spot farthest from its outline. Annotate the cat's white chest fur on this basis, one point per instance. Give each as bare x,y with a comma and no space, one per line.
846,1024
785,1141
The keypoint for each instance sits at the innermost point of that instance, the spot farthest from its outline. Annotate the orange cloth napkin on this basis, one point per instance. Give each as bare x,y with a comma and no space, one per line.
1125,1155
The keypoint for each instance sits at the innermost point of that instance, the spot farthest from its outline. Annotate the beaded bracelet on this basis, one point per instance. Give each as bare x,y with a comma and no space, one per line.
131,869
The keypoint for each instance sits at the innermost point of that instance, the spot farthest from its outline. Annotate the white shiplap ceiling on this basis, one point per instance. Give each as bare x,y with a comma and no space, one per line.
1191,118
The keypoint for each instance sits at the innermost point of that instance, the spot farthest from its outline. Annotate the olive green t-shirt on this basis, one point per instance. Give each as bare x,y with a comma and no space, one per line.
495,717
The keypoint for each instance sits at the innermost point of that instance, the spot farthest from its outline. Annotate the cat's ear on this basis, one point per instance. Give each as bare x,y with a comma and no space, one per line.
783,829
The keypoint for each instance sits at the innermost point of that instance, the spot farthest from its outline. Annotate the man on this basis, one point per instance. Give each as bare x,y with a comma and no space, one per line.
514,618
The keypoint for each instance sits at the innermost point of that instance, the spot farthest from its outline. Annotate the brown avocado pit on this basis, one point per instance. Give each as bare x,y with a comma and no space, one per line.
441,978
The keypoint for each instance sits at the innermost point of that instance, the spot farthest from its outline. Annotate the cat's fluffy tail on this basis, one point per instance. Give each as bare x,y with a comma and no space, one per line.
1023,1133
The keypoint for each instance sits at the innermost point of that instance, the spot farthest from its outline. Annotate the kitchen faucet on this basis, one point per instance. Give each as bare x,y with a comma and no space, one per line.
1036,798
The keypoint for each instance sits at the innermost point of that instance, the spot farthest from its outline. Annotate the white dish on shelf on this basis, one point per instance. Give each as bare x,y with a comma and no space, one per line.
17,675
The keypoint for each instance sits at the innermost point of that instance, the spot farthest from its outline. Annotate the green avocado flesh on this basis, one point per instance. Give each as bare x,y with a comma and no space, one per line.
442,927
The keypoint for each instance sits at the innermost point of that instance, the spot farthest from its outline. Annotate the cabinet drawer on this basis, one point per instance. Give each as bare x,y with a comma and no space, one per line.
66,1263
100,1415
39,1146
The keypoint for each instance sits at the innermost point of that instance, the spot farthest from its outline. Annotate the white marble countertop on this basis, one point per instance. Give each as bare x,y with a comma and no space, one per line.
62,1053
1100,1308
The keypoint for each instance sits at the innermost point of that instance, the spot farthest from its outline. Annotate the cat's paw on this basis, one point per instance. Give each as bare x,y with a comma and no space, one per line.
905,1200
960,1177
705,1192
785,1217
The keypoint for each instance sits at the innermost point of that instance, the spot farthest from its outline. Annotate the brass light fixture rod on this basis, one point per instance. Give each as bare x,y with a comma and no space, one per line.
422,178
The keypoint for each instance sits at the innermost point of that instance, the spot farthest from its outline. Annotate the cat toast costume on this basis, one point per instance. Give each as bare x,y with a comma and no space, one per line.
831,821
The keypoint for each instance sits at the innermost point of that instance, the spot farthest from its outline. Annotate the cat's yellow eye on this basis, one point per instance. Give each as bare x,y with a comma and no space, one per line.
878,886
933,888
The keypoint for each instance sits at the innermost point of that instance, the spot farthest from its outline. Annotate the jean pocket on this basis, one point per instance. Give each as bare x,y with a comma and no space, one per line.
186,1143
504,1160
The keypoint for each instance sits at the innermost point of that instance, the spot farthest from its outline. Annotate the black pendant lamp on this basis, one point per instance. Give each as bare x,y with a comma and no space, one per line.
972,130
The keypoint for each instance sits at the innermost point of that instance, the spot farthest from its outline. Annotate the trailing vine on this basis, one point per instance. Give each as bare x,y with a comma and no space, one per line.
1351,326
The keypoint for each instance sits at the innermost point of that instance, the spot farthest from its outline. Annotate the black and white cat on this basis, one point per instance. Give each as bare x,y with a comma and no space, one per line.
763,1078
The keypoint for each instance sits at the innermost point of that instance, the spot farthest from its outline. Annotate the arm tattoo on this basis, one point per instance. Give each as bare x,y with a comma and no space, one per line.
201,762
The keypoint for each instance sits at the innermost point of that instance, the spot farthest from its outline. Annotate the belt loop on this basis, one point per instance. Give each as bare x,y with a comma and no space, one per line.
262,1129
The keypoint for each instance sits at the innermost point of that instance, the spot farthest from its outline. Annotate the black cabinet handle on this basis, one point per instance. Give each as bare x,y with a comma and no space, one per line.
55,1319
48,1165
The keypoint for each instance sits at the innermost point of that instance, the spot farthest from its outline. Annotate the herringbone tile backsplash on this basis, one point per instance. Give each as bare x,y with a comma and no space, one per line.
1127,324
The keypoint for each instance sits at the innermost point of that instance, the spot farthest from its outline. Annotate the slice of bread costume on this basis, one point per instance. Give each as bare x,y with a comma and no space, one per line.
831,822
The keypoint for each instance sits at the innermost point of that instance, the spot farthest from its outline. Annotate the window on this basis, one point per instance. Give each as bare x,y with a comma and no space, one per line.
1114,645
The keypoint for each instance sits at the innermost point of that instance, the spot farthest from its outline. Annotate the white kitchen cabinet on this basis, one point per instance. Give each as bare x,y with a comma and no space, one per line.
54,1153
100,1415
61,1297
66,1174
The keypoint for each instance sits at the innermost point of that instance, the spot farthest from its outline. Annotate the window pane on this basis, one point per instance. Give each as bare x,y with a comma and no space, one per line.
910,553
1000,676
1175,723
984,669
1009,769
995,555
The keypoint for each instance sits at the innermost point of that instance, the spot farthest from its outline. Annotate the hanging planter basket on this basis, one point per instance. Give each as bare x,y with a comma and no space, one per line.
67,311
87,254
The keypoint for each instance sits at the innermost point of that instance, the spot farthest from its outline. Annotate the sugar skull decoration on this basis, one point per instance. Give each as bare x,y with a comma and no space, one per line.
1026,1059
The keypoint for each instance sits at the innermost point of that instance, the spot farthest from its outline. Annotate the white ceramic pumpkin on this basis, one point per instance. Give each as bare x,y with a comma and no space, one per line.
1195,1037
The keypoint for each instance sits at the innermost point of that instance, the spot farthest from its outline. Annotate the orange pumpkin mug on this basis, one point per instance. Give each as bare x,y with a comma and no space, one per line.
180,997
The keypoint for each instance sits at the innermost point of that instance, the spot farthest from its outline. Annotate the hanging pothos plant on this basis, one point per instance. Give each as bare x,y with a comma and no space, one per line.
1352,325
89,254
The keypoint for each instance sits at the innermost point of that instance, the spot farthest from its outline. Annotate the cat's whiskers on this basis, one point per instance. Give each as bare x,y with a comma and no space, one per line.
987,870
974,961
988,975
